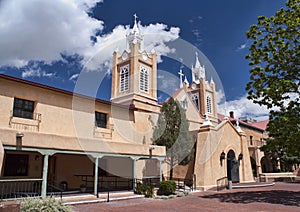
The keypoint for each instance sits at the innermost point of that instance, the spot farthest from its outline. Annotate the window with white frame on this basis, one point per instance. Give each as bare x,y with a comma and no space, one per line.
144,79
124,78
195,99
209,103
184,103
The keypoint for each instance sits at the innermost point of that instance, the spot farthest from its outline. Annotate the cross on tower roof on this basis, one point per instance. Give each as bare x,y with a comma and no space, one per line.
135,17
181,75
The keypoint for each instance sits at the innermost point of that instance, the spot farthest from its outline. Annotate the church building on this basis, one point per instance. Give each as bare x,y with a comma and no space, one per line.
42,149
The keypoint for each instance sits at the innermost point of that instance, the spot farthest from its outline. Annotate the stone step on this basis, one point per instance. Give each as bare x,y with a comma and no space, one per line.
97,200
84,198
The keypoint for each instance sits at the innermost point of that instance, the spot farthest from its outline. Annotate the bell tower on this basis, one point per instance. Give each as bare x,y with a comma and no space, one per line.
202,92
134,73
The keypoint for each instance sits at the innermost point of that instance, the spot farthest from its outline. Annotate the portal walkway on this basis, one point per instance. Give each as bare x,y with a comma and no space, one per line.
85,198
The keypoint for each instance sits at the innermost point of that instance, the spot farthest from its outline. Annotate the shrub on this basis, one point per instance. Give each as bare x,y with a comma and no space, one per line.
45,205
167,187
147,190
140,188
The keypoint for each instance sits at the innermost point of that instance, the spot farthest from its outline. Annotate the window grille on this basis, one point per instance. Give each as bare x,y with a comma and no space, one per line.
124,78
144,79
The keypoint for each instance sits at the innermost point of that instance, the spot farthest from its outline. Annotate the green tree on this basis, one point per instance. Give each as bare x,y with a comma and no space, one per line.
172,131
274,56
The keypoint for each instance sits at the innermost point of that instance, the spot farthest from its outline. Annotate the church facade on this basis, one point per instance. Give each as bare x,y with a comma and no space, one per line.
39,141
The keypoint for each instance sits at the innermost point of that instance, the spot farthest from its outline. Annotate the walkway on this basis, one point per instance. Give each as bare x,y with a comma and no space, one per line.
280,197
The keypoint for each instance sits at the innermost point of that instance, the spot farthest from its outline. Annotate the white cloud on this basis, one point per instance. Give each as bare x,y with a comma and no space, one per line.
35,30
43,30
36,73
242,46
73,77
166,82
155,37
243,107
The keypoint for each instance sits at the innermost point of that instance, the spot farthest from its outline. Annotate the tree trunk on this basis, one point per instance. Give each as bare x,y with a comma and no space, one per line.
171,166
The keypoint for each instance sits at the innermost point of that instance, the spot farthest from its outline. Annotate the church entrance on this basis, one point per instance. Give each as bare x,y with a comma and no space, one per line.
232,167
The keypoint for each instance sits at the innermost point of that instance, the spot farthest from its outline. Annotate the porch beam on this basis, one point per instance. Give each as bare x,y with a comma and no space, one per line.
93,154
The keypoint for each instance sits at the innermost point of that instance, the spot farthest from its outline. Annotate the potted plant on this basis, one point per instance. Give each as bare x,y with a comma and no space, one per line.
82,188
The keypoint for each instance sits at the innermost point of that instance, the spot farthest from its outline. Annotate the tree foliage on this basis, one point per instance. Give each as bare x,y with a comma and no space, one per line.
274,56
172,131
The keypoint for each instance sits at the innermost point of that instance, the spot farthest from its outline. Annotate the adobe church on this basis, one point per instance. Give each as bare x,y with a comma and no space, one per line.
39,140
221,149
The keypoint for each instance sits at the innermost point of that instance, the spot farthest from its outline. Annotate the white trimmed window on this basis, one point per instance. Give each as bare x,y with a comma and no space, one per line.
184,103
144,79
124,78
195,99
209,103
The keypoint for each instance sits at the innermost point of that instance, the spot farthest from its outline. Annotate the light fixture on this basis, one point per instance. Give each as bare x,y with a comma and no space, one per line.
240,156
222,156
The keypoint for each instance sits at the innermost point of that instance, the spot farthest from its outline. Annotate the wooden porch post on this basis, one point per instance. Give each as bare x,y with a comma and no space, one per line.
133,173
45,176
96,176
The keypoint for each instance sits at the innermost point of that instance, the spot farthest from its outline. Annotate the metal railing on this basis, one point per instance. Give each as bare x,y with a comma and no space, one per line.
114,183
150,180
184,184
222,183
18,188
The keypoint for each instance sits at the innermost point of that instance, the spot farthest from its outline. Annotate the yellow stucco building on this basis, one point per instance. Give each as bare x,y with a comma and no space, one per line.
51,137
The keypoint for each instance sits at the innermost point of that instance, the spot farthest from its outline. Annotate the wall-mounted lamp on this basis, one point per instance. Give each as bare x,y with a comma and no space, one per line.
222,156
240,156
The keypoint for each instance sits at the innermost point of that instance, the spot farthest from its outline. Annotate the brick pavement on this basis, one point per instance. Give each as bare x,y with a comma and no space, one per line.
280,197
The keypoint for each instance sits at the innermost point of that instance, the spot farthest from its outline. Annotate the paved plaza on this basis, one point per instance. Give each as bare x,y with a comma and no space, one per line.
284,197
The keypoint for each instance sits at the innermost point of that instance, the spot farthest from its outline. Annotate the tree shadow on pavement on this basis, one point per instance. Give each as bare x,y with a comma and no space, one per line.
274,197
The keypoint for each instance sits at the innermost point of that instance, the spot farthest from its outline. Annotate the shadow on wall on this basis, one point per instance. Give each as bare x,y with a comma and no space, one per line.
273,197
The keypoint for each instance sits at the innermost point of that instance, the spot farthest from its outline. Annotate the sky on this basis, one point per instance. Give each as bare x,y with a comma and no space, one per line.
53,41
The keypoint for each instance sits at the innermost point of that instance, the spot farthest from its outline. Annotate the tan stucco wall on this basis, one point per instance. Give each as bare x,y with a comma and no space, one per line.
212,141
257,139
67,122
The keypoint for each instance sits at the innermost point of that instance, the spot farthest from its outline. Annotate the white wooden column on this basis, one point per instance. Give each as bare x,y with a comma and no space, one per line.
45,176
134,173
96,174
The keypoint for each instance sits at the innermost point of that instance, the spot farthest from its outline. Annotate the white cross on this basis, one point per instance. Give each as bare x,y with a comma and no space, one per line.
135,17
180,76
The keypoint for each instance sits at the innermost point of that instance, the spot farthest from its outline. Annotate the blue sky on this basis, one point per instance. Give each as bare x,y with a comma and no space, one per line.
50,41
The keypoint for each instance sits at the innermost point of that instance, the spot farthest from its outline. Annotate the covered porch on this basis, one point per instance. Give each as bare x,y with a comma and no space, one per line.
43,172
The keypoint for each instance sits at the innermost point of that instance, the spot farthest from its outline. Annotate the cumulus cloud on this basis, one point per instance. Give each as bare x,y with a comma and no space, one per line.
35,30
167,82
73,77
242,46
243,107
36,73
45,30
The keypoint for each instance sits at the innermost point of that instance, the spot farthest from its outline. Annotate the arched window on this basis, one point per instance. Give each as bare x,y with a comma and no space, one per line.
144,79
209,104
124,78
195,99
184,104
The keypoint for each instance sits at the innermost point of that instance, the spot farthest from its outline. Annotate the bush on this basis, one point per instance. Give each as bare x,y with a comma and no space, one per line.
167,187
45,205
140,188
144,189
